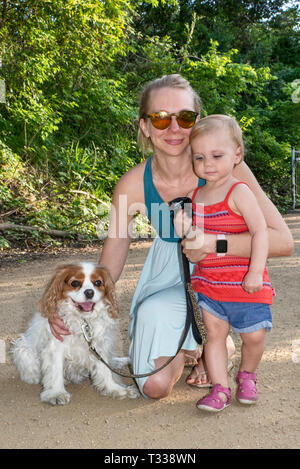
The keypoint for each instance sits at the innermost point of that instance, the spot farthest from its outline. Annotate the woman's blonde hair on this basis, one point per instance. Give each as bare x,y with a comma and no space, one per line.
219,121
166,81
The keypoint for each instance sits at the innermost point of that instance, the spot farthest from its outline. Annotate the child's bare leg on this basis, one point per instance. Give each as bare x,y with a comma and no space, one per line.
199,373
252,350
216,355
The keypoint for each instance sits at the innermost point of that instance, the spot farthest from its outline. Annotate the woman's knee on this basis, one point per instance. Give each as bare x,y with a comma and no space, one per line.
156,387
161,384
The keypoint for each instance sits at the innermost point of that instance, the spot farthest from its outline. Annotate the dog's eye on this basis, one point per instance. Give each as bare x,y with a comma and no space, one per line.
75,284
97,283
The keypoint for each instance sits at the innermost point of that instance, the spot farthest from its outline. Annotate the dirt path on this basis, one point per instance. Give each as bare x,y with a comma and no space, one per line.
94,421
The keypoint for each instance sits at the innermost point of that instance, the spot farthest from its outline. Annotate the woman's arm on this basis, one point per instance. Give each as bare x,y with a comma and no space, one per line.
280,239
128,196
128,192
116,245
114,255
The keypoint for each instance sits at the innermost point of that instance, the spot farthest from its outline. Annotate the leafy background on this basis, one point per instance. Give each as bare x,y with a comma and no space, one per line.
73,71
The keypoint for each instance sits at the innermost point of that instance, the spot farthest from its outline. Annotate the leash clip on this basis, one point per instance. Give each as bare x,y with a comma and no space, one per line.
86,332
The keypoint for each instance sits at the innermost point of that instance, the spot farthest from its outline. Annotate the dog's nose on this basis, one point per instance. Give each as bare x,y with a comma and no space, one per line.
89,293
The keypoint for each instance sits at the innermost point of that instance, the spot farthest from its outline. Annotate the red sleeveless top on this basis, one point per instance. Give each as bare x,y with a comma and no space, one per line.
220,278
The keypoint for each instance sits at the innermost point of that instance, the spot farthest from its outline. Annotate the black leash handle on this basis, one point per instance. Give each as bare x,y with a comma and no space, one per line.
198,327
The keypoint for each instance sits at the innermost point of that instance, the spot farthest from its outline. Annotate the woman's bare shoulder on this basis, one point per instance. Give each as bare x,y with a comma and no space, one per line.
135,173
243,173
132,182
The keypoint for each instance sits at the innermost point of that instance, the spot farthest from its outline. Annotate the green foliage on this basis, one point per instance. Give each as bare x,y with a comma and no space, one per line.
73,71
29,198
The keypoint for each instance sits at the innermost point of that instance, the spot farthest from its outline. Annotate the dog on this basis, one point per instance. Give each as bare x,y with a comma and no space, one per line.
76,292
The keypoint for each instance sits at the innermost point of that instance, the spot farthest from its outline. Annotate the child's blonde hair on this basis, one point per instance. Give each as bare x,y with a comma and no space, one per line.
166,81
219,121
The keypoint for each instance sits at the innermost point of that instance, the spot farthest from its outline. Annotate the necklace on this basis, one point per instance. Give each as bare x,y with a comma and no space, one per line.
156,174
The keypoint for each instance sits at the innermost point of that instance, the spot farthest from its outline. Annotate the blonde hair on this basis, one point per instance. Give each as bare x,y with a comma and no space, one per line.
166,81
216,122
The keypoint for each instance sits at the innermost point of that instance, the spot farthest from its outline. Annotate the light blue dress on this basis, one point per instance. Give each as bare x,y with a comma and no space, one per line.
158,310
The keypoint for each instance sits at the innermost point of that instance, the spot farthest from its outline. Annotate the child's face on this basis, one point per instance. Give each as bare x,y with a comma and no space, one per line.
214,155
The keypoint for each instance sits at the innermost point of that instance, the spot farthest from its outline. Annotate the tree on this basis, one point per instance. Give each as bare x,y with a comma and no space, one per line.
73,72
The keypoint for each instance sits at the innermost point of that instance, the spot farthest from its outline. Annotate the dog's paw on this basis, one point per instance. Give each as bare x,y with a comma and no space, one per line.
30,378
121,392
53,397
132,392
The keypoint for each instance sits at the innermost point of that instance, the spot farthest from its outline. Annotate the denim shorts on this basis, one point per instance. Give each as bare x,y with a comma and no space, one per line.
243,317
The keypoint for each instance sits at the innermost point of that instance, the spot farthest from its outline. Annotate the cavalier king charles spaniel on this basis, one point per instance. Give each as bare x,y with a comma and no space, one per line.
76,291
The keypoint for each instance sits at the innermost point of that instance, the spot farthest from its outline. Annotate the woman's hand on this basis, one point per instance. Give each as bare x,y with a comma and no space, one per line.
198,244
58,327
182,223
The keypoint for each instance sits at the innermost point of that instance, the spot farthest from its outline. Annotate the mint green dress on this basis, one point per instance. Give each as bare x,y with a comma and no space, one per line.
158,310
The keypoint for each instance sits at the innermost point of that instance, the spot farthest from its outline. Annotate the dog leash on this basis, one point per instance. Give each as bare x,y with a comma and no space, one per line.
89,339
193,316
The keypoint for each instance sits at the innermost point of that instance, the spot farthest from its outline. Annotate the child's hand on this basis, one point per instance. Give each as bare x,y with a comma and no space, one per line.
252,282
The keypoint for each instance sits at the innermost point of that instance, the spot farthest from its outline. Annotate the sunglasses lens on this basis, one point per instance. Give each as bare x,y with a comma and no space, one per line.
160,120
186,119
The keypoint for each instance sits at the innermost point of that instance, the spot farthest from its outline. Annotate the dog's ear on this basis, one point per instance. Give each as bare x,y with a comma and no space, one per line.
110,293
48,304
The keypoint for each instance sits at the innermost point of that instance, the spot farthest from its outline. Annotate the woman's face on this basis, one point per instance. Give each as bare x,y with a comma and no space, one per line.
174,140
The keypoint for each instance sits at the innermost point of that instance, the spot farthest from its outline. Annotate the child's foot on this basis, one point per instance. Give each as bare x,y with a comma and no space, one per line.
247,391
218,399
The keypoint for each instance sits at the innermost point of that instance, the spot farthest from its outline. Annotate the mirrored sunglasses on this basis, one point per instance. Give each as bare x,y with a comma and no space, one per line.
162,119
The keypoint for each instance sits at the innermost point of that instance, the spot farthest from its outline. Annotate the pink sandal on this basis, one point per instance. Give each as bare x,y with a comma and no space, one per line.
247,391
213,402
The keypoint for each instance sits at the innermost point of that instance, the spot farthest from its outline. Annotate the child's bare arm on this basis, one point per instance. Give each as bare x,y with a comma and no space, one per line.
244,201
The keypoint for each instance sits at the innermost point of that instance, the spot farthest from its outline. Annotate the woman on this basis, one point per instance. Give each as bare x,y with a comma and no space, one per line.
158,309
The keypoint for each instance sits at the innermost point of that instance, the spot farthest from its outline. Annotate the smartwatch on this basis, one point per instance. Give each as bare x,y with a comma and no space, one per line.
221,245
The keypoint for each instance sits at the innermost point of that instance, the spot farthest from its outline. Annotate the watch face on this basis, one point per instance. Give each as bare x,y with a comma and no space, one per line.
222,246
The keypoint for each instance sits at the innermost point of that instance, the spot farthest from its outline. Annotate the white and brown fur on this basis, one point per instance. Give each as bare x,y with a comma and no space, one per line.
76,291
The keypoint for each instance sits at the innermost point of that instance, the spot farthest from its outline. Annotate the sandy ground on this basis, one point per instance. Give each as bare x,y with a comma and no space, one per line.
94,421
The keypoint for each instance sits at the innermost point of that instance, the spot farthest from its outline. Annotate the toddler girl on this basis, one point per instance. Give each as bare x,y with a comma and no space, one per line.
232,291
